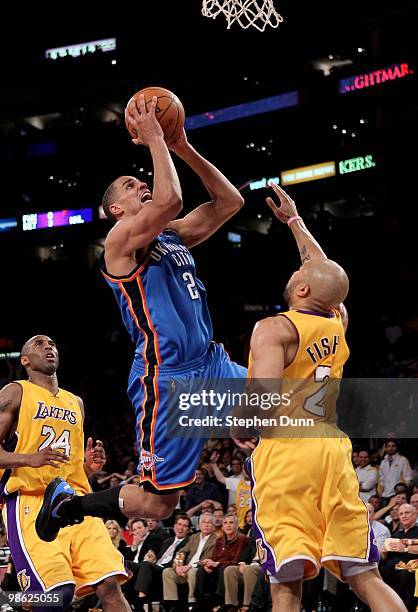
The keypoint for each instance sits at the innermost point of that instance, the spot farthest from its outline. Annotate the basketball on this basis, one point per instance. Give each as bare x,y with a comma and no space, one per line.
169,110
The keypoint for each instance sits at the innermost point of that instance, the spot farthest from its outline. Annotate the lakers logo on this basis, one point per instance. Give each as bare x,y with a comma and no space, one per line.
23,580
261,551
149,459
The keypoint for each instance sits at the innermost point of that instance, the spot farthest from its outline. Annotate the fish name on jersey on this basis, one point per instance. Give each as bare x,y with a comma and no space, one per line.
179,253
323,347
53,412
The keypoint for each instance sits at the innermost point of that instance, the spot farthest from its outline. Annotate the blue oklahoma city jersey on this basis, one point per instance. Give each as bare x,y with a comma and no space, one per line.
163,304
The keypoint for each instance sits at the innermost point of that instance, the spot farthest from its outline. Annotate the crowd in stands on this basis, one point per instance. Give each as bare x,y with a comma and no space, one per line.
205,558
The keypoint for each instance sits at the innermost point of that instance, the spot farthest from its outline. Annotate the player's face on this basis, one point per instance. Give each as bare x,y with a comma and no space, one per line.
131,194
42,355
181,528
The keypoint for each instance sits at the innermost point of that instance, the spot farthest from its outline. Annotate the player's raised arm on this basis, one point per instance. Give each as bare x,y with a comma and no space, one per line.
309,248
226,200
141,219
288,213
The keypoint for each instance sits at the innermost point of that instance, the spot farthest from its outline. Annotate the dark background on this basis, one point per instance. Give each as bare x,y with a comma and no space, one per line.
367,220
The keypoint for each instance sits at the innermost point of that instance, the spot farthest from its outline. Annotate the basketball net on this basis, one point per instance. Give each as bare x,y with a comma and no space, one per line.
255,13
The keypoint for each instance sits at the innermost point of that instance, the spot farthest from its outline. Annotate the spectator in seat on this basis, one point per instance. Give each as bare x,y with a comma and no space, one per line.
142,542
115,532
374,500
127,532
230,482
354,458
245,575
392,521
399,550
183,571
248,523
155,529
149,581
367,476
393,469
401,488
381,532
231,549
219,519
414,501
202,490
208,505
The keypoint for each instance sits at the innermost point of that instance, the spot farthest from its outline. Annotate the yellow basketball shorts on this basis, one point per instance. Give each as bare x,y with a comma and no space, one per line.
81,554
306,506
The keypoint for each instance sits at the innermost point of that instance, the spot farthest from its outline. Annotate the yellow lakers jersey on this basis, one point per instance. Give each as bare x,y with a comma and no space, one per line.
243,500
310,383
44,420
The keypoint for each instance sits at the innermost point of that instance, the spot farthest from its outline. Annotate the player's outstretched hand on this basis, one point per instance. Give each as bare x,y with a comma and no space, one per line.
95,457
142,122
250,443
47,456
287,208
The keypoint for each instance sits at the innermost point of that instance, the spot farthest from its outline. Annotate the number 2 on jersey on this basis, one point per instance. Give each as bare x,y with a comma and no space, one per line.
315,402
63,441
191,285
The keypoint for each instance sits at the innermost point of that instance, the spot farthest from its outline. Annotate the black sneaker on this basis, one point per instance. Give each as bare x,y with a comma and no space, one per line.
48,522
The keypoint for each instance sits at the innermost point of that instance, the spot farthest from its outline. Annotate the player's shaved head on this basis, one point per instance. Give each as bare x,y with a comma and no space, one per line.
26,347
319,284
108,199
39,354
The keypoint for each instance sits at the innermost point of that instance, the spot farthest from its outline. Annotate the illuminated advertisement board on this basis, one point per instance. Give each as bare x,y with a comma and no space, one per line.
374,77
105,44
356,163
7,224
264,182
240,111
56,218
308,173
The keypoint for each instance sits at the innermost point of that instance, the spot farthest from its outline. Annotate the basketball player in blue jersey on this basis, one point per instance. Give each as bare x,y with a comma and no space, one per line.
151,271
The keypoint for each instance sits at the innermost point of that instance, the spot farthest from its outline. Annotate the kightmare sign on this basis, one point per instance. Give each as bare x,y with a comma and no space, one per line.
375,77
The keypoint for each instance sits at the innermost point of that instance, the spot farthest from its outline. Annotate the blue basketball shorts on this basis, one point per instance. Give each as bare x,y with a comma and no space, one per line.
168,463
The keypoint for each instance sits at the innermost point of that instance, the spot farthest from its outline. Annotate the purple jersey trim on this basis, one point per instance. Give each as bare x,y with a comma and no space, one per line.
269,562
21,559
317,313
